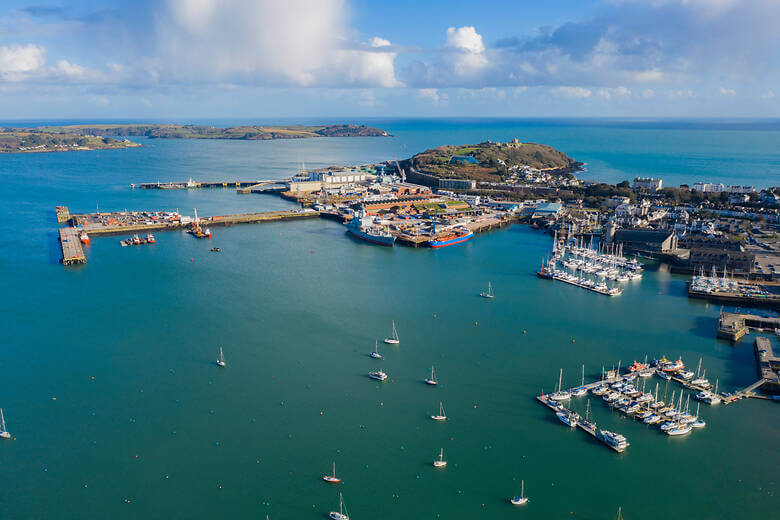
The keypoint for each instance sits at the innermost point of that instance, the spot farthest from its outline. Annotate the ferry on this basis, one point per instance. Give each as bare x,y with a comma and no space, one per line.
84,237
365,228
613,440
460,235
378,375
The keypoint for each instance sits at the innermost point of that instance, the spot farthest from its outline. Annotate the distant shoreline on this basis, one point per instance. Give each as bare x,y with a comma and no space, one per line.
114,136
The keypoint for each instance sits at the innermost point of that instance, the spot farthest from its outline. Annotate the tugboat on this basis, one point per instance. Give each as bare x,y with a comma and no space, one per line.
150,239
84,237
365,228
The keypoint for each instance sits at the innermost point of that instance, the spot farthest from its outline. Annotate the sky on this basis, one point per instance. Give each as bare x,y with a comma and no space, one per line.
173,59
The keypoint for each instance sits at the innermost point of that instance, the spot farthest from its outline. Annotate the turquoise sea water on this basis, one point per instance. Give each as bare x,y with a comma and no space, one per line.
297,307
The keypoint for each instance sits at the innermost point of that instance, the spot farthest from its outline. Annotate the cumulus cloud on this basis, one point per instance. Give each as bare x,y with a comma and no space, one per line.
433,95
572,92
723,91
18,62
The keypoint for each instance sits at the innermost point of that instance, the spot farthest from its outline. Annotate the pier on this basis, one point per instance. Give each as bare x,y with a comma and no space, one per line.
72,252
190,184
733,326
768,367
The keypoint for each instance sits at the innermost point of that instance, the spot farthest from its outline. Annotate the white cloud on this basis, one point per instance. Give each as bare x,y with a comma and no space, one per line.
434,95
769,94
723,91
680,94
647,93
572,92
467,55
17,62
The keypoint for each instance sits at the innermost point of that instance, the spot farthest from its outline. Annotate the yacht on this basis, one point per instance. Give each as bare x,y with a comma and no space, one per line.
432,380
333,479
568,417
440,462
614,440
686,374
340,514
3,432
393,340
221,358
680,429
522,499
375,354
489,293
708,397
560,395
378,375
441,416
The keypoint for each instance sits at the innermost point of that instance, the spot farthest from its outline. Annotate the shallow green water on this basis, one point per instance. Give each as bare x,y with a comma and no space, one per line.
297,307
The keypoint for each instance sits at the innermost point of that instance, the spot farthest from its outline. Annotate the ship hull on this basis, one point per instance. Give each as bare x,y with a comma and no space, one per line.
378,240
435,244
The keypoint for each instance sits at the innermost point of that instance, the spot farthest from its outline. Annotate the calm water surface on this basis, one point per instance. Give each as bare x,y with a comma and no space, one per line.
109,385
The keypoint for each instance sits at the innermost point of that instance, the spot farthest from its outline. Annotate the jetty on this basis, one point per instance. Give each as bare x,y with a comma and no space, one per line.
734,325
72,251
768,367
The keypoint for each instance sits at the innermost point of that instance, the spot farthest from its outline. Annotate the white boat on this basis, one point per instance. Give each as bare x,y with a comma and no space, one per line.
522,499
599,390
3,432
221,358
340,514
393,340
686,374
680,429
579,392
652,419
568,418
440,462
614,440
441,416
378,375
489,293
560,395
333,479
375,354
432,380
698,422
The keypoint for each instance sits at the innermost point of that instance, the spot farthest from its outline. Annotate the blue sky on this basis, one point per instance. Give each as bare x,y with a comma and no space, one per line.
328,58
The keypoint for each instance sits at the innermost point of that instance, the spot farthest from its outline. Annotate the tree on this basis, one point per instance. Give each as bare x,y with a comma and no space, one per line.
624,184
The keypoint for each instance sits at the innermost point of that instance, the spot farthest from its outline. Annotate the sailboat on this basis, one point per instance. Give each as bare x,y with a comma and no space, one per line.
375,354
698,423
432,380
560,395
579,392
3,432
333,479
393,340
340,514
522,499
441,416
440,462
221,358
489,293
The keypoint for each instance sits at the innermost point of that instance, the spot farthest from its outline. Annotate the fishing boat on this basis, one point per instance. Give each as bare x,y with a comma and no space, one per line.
613,440
393,339
3,432
375,354
522,499
559,394
489,293
432,380
441,416
333,479
568,418
340,514
378,375
221,358
440,462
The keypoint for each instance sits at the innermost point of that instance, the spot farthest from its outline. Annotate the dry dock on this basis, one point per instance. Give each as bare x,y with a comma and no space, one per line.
72,252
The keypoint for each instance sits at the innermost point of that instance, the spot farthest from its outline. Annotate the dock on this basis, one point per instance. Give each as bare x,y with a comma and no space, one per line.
768,367
190,184
72,252
733,326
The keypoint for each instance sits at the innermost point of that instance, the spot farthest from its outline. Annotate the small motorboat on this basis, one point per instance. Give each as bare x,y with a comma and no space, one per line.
216,250
378,375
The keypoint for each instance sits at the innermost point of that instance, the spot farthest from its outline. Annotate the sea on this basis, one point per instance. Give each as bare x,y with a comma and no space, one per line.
109,387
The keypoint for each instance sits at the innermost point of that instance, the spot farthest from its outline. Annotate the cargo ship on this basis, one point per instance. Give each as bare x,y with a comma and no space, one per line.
460,235
364,228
